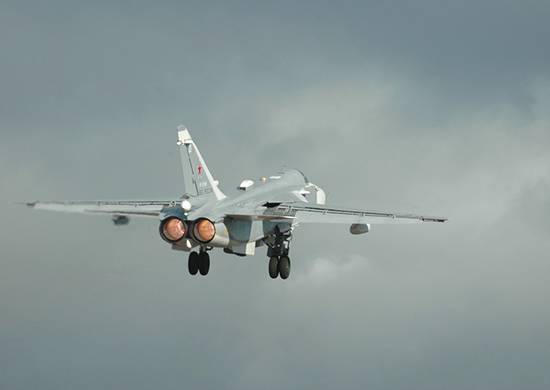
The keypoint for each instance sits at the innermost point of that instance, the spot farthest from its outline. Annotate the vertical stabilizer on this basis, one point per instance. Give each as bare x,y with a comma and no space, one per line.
197,177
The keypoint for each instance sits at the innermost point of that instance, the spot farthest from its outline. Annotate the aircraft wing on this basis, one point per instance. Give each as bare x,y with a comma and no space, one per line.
304,213
137,208
322,214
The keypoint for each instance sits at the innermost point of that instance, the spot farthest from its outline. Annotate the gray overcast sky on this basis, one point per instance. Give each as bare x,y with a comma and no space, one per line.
423,106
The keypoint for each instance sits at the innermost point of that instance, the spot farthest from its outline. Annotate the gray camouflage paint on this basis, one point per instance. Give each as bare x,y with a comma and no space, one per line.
429,106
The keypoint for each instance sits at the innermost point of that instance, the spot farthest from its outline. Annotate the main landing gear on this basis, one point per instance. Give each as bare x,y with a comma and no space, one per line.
279,266
199,262
279,262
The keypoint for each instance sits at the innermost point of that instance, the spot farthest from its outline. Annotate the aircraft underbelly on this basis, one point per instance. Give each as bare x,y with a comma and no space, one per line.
247,231
245,234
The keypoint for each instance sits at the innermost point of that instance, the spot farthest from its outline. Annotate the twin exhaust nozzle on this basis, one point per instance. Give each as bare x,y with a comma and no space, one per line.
173,229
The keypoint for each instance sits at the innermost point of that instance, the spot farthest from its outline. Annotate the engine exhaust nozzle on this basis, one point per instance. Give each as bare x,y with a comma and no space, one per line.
204,230
172,229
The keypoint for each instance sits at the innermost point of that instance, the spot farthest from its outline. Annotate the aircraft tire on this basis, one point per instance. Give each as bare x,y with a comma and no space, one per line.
193,263
284,267
204,263
273,267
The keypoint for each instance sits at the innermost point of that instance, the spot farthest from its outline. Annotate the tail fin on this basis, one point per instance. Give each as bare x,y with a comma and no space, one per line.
197,177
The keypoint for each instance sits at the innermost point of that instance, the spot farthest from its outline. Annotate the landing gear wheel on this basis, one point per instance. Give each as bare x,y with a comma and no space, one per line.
193,263
284,267
204,263
274,267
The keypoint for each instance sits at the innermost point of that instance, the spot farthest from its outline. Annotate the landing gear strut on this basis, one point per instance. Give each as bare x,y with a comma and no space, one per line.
199,262
279,262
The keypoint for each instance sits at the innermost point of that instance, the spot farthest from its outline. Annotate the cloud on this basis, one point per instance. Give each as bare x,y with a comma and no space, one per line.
430,107
324,270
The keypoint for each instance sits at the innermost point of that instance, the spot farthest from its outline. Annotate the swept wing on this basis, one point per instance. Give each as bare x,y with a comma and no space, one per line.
305,213
134,208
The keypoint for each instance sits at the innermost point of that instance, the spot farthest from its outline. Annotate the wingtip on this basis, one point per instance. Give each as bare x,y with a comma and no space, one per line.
434,219
28,204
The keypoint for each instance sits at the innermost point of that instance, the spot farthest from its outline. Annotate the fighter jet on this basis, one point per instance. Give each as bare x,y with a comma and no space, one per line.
263,212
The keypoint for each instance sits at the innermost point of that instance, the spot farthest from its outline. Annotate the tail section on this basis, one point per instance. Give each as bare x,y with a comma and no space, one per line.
197,177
